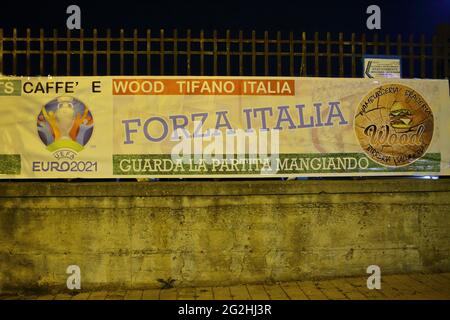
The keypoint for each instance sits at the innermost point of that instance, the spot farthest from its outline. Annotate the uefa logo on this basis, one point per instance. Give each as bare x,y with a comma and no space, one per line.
65,123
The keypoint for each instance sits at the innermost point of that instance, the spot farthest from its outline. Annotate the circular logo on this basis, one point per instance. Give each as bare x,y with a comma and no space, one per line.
65,123
394,125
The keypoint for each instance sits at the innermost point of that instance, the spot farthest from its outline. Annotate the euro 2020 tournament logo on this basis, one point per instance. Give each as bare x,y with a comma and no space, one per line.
65,123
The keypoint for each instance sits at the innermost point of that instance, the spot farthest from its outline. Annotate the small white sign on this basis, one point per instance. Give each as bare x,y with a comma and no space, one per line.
382,67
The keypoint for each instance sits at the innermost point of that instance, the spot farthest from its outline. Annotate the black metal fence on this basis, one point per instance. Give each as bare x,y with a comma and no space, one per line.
42,52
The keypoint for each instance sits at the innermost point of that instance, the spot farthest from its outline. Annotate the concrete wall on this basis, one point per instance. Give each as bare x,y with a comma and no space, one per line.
214,233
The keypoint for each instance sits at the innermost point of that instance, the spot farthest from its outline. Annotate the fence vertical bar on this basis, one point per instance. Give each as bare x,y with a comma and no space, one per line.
55,52
148,51
68,49
279,53
215,52
253,53
1,51
303,67
266,53
95,53
363,48
399,45
41,51
341,54
202,52
228,48
241,57
434,57
135,51
188,52
161,51
363,44
175,52
291,54
14,54
387,44
375,43
411,56
108,52
446,36
328,54
422,56
121,52
81,52
28,64
316,54
353,56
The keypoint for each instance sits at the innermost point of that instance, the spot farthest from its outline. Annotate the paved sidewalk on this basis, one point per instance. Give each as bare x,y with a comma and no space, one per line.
411,286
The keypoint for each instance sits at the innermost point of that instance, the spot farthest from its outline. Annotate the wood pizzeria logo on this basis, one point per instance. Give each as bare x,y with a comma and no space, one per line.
394,125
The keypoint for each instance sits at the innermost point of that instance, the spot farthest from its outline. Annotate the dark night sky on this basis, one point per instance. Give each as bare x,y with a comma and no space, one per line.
417,16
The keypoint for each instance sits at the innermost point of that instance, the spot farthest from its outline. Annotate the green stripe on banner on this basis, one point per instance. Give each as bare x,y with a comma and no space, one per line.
301,163
10,87
10,164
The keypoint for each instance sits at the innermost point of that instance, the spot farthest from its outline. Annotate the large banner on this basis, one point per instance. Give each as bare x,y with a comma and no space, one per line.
117,127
